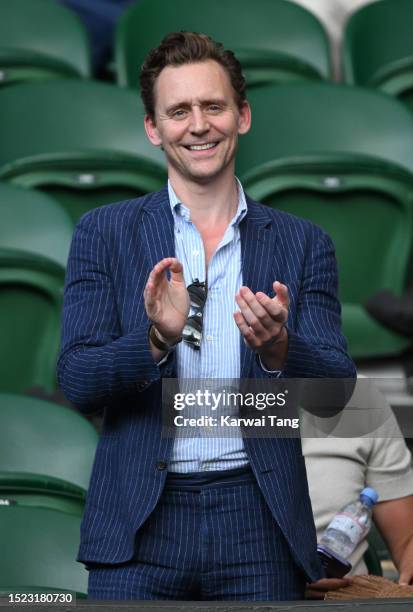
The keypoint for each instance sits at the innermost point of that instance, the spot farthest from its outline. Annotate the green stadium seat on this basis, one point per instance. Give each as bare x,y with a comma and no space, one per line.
33,222
316,151
372,561
378,546
31,289
378,48
41,39
82,142
46,454
38,552
275,40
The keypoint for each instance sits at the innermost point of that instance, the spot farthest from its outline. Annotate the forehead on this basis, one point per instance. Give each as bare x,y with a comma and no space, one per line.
192,83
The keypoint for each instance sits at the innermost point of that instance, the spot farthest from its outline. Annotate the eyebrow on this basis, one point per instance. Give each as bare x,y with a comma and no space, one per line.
174,107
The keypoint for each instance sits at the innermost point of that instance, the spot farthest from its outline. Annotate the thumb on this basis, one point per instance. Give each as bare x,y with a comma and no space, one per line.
281,291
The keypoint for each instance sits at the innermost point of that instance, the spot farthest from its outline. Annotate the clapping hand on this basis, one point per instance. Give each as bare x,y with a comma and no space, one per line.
261,320
167,300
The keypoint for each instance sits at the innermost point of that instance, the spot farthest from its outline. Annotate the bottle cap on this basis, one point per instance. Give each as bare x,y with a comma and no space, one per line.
369,496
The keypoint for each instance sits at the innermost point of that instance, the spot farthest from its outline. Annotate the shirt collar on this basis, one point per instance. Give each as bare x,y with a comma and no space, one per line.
180,210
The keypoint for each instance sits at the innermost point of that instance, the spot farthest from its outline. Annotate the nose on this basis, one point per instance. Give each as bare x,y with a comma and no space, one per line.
199,122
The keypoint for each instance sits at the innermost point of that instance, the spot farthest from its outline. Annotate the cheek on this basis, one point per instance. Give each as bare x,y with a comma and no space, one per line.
231,131
175,137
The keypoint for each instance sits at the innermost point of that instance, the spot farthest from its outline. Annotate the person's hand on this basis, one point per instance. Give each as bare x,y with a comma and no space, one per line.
261,320
167,301
317,590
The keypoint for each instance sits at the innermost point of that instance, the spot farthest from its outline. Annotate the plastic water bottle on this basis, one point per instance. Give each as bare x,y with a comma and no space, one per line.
347,529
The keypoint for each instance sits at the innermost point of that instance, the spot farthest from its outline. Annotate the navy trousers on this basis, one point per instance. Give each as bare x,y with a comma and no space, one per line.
214,540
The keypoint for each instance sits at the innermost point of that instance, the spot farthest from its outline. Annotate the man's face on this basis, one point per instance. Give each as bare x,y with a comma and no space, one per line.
197,121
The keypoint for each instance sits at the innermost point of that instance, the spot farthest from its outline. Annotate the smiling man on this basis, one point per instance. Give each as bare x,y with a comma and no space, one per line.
196,281
197,121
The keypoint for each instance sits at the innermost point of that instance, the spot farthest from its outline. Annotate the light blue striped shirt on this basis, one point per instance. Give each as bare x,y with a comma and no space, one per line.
219,355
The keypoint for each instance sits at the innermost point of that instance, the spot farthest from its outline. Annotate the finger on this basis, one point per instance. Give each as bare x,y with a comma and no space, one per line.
163,265
148,293
281,292
157,278
157,274
317,590
330,584
177,270
275,309
245,329
248,296
250,317
313,594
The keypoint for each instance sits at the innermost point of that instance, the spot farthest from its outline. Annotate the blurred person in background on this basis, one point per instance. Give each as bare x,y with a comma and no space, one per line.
356,449
100,18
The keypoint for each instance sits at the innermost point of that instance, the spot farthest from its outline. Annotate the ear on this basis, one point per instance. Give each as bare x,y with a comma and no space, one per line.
244,119
152,131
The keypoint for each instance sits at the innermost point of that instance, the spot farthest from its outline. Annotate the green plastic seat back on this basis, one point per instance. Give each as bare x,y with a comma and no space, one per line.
376,552
39,548
41,39
372,562
79,201
304,119
372,232
378,545
378,46
45,447
71,504
34,223
277,40
80,139
363,221
407,96
31,289
309,164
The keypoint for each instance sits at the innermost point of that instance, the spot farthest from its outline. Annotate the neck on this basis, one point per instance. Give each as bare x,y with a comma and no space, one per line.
212,204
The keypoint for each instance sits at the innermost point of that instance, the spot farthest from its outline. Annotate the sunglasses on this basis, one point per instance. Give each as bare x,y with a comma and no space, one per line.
192,332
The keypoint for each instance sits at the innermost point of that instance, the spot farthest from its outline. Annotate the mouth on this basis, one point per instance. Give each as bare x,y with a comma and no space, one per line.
201,147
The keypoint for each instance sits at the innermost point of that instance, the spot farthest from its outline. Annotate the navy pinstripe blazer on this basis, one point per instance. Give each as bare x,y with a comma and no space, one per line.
106,363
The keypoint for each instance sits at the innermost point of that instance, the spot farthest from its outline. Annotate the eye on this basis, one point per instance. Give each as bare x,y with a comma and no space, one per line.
179,113
214,109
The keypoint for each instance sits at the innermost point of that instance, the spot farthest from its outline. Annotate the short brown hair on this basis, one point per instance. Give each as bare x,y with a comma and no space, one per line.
180,48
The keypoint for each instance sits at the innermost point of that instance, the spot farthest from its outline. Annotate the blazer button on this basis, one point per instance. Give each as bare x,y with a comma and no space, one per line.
161,465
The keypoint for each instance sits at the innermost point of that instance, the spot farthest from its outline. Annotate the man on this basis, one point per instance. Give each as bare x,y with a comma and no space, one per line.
195,518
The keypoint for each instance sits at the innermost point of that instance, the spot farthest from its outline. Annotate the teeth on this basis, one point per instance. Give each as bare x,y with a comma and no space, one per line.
202,147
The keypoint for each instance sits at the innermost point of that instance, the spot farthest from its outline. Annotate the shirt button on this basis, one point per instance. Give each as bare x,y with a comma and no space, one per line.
195,253
209,338
161,465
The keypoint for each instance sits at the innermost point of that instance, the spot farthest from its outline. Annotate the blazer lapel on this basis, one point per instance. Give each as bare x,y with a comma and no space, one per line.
257,256
157,228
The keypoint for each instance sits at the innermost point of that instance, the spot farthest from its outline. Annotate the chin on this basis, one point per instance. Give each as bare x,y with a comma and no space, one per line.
206,174
203,178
